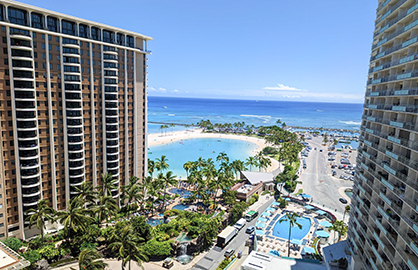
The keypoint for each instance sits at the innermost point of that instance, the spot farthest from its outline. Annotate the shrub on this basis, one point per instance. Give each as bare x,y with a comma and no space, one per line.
155,248
13,243
32,256
268,150
88,245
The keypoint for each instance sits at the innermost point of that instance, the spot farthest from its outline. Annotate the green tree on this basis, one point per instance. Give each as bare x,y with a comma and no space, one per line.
237,166
161,163
340,227
105,207
151,167
169,179
40,215
108,184
75,217
251,161
291,217
189,165
128,246
86,192
237,210
90,259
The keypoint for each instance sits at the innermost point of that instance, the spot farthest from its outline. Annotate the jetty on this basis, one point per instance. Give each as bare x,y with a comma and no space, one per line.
165,123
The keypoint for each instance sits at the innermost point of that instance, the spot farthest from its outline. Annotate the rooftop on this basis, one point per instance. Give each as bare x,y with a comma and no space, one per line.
256,177
10,259
263,261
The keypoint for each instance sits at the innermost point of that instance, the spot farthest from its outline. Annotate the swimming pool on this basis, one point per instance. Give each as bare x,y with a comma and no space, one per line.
282,229
154,222
181,206
180,191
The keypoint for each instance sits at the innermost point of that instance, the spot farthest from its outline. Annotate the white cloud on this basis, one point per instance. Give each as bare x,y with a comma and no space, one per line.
162,89
282,87
175,91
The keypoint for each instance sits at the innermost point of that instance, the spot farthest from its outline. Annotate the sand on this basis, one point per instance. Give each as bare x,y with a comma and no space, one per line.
158,139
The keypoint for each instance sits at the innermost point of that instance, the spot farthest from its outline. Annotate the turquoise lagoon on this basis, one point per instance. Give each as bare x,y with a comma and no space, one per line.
180,152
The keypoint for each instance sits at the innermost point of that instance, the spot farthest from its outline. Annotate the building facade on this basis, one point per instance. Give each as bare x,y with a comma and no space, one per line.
72,107
383,226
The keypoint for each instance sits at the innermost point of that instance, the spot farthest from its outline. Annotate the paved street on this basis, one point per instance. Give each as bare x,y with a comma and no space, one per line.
317,179
215,256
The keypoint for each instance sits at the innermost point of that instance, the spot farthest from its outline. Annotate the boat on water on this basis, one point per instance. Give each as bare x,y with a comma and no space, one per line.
344,141
164,107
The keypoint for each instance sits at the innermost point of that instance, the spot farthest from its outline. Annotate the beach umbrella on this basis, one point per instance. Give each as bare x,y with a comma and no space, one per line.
310,207
325,223
308,250
262,220
320,212
260,225
266,214
259,232
296,241
322,234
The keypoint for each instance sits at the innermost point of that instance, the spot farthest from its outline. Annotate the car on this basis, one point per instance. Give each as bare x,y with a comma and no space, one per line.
343,201
250,229
229,252
315,148
334,173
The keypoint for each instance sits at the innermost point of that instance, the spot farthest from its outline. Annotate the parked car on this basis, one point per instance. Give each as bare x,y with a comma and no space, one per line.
343,201
320,150
229,252
334,173
250,229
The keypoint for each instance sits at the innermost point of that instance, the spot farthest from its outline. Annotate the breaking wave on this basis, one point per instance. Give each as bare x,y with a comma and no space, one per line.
350,123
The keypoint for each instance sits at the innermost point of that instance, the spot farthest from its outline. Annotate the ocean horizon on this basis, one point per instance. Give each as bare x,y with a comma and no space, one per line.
252,112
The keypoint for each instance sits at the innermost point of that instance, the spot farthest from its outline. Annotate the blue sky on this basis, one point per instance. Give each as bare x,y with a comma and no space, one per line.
301,50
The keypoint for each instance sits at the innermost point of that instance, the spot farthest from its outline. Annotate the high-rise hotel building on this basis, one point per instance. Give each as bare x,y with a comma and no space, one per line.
383,229
72,106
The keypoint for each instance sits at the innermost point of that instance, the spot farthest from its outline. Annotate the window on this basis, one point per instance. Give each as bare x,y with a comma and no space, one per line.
108,36
17,16
68,27
83,30
37,20
95,33
120,39
52,24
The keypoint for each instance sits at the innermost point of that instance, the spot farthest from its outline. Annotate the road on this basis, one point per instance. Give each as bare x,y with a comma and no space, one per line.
215,256
317,180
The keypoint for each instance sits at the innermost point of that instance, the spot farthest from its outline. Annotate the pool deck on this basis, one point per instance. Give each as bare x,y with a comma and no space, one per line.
271,242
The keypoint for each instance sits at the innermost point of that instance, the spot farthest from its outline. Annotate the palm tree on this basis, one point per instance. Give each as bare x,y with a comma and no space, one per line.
86,192
222,156
292,218
237,166
346,210
151,167
161,163
127,245
106,206
340,227
108,184
168,179
187,167
75,217
251,161
89,259
40,215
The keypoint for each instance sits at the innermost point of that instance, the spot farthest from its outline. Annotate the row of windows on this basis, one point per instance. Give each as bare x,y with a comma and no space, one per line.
20,16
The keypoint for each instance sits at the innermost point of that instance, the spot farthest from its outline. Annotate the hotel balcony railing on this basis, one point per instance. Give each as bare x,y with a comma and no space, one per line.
111,120
26,134
76,180
74,122
111,135
75,163
111,150
75,139
19,32
112,158
28,191
25,104
396,108
111,112
397,18
74,131
75,147
24,95
29,172
110,57
22,74
72,96
73,113
69,86
30,181
21,53
111,97
27,144
28,153
384,79
75,156
26,124
394,62
408,259
394,48
23,85
22,114
33,199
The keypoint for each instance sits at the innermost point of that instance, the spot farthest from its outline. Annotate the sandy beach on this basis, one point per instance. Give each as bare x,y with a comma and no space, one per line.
158,139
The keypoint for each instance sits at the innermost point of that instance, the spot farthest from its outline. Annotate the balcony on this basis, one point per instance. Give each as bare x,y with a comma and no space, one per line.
111,112
73,105
69,86
111,136
76,181
74,122
23,114
23,84
111,120
30,191
31,200
73,113
111,150
27,134
22,64
76,172
111,105
28,163
75,164
74,131
28,153
112,143
29,172
75,139
21,53
74,156
113,172
26,124
112,165
113,158
111,128
22,74
24,95
27,144
111,97
30,182
25,104
75,147
72,96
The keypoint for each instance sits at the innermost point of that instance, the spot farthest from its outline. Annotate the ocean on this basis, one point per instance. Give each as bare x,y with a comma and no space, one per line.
257,113
252,112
